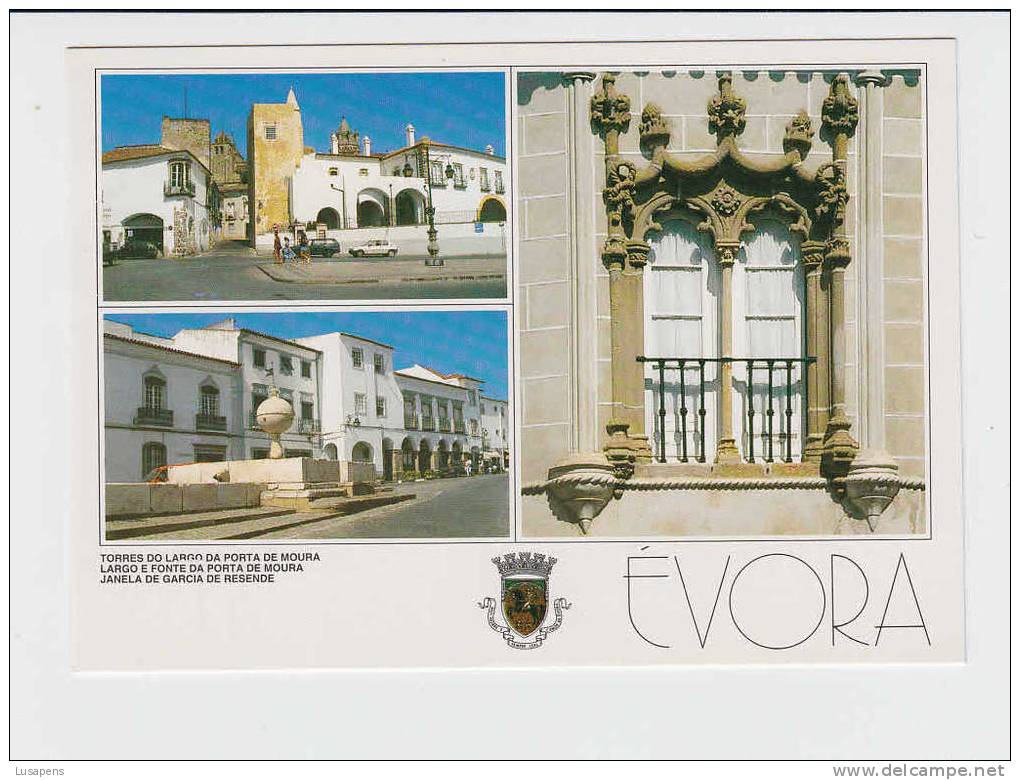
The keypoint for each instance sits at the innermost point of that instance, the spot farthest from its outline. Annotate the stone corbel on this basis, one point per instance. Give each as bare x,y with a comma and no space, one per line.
579,488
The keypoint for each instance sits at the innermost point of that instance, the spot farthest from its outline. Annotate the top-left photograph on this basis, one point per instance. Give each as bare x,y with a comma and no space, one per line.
270,186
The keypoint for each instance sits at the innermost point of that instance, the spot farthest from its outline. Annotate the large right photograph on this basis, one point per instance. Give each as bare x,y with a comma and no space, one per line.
722,302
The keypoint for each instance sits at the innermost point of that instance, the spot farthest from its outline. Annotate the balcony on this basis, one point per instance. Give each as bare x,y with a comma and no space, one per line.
764,388
484,186
150,416
309,425
210,422
428,424
410,421
460,184
500,189
253,424
458,426
182,189
444,425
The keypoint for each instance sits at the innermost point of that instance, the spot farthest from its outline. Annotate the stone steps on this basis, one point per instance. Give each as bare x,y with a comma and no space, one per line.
239,524
350,506
316,498
148,526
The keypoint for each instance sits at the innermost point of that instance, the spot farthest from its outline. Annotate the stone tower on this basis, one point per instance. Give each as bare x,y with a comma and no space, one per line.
192,135
275,146
228,166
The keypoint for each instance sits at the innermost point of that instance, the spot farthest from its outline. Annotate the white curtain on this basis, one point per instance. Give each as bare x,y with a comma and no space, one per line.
769,301
680,322
681,286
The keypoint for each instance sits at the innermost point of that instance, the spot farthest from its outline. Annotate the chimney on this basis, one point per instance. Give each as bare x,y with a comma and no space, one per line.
489,150
368,146
409,130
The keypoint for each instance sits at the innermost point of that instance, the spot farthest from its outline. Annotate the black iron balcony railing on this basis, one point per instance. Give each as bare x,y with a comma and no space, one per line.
428,424
444,425
781,393
308,425
500,189
253,422
485,186
458,426
148,415
410,421
173,190
210,422
460,183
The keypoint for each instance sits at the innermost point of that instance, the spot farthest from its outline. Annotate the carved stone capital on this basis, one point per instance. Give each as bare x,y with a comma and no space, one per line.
837,253
614,253
654,128
579,75
637,253
726,110
726,252
812,255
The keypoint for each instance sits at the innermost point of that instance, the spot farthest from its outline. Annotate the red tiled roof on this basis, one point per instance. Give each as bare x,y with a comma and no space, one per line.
453,376
142,151
432,381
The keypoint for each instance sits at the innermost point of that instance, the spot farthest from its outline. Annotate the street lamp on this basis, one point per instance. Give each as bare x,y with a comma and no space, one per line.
424,161
343,204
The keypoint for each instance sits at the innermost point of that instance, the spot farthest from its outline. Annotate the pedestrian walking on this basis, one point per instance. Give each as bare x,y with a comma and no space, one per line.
288,250
277,246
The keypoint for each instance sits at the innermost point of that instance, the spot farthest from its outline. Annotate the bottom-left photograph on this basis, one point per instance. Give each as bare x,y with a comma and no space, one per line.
307,425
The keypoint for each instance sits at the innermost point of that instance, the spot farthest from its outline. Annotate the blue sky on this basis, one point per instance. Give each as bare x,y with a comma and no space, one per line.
463,342
463,109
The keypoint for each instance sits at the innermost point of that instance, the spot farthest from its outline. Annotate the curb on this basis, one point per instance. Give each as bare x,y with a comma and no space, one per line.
389,280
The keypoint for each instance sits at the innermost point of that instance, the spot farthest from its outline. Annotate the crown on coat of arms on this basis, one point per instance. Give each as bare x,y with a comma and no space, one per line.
525,563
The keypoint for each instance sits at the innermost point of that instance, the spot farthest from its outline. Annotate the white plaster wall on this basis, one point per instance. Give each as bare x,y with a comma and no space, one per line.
311,185
124,366
136,187
496,422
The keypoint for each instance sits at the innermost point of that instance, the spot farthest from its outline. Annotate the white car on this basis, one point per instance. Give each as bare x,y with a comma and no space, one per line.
377,248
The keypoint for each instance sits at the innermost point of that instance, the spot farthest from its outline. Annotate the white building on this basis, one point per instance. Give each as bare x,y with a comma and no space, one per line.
436,429
352,187
361,401
350,403
265,360
353,192
159,195
495,431
166,405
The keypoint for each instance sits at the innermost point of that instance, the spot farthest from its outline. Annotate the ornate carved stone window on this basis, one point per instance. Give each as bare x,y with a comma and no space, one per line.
726,287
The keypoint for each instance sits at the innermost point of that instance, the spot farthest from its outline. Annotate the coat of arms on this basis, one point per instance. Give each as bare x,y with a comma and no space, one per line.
524,596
